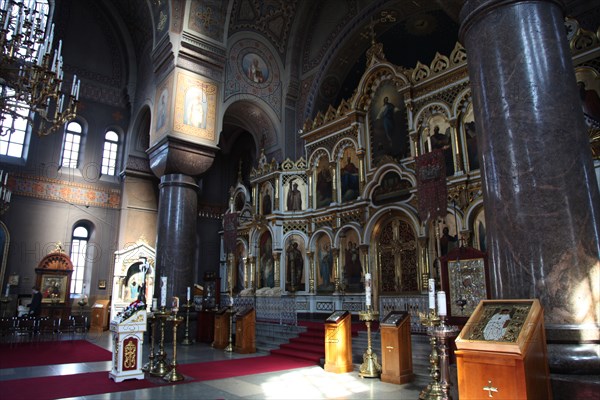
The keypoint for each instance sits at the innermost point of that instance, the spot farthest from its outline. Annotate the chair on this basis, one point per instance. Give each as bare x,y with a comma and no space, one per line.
75,324
47,328
7,329
25,328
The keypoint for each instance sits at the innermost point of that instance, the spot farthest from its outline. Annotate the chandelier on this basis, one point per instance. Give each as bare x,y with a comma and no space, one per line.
31,72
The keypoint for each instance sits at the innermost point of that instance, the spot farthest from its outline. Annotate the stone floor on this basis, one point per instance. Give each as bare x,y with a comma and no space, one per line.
303,383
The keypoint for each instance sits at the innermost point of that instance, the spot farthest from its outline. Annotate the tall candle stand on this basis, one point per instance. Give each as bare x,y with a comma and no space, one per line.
161,367
229,347
186,338
149,366
433,389
173,375
443,332
370,368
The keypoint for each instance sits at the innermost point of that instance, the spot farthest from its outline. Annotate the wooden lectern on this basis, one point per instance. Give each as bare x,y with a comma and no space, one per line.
501,352
245,331
99,321
221,328
396,348
338,343
205,326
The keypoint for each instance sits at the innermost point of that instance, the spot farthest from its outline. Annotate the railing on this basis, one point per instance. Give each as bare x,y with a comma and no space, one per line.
411,304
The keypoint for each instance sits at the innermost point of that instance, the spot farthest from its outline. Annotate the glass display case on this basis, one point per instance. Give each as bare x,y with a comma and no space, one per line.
212,295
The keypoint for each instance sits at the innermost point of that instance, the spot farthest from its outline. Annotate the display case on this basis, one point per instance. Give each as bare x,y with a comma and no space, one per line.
53,278
465,279
211,296
501,351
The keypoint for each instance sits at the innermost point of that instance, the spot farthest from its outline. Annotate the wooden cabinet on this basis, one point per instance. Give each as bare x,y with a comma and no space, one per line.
99,321
396,348
205,328
338,343
501,352
245,331
221,328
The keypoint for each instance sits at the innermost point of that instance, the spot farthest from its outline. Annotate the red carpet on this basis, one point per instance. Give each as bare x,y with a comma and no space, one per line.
47,353
57,387
242,366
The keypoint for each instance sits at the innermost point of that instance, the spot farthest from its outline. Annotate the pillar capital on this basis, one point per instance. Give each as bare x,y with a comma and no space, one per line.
172,155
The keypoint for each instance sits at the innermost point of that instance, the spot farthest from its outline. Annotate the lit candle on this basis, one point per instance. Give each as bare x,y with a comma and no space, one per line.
188,293
368,289
441,299
431,294
163,291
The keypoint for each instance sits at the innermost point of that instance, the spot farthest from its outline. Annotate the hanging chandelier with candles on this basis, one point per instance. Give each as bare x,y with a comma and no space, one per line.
31,72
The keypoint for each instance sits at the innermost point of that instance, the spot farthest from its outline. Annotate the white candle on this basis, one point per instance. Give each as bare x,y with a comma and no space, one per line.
154,303
188,293
368,289
7,289
431,294
441,298
163,291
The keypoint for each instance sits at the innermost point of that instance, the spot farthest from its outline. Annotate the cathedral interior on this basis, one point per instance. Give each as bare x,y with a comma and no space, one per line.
304,157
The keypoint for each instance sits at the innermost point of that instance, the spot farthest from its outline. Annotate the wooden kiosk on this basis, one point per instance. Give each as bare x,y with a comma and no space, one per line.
338,343
501,352
221,328
396,348
245,331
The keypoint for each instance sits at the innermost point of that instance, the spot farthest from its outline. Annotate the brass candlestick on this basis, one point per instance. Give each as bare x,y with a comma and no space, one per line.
161,367
186,338
433,389
173,375
149,366
370,368
229,347
443,332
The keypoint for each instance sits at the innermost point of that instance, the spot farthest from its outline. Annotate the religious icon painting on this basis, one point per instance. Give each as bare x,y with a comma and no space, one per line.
294,264
349,177
266,263
352,273
255,68
294,192
239,272
388,124
324,264
195,107
323,183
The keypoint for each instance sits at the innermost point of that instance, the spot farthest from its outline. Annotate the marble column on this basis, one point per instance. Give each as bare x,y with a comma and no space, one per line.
177,162
541,199
176,232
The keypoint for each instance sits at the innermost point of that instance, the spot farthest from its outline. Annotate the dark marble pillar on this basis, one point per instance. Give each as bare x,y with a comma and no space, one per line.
177,162
541,199
176,233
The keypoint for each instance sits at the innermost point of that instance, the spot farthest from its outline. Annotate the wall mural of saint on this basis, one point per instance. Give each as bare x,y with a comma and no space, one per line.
388,124
255,68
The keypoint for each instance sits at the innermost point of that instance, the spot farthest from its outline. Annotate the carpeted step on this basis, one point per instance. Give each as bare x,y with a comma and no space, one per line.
305,355
308,340
311,348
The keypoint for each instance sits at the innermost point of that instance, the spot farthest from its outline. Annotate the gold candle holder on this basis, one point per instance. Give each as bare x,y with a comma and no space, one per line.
433,389
161,367
186,338
149,366
173,375
229,347
370,368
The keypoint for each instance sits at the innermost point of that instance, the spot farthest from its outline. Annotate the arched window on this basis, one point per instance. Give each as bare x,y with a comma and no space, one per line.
71,145
79,243
109,156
